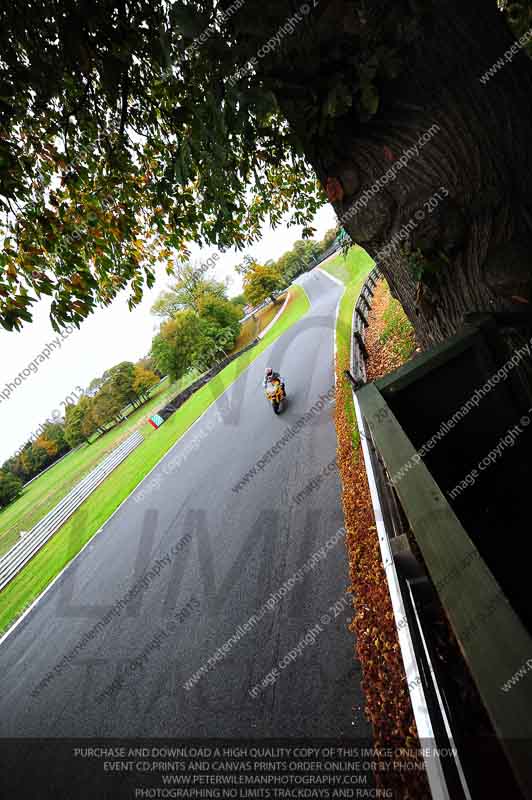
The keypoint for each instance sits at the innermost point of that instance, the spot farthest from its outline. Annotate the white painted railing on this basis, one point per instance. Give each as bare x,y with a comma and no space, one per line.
27,547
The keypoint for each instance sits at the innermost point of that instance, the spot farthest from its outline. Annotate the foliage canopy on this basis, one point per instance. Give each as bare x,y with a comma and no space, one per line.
121,142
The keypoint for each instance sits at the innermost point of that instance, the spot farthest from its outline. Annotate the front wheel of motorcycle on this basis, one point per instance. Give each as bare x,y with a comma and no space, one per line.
276,408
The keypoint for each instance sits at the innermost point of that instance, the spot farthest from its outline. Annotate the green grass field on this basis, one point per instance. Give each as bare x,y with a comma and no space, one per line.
45,492
101,504
398,331
251,328
352,271
350,268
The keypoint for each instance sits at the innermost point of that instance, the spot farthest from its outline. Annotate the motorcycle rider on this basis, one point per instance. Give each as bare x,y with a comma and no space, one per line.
270,375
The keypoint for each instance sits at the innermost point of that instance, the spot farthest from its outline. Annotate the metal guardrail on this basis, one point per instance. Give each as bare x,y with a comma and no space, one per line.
308,267
27,547
423,693
262,305
333,248
359,324
449,572
416,508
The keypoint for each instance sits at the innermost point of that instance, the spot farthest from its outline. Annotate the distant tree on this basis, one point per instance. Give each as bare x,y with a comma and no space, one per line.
220,311
33,460
89,423
55,432
239,300
39,453
73,420
17,465
43,453
167,304
163,348
106,407
95,385
79,425
214,343
10,487
9,464
246,265
298,259
328,239
120,379
29,465
143,380
178,343
192,284
49,448
148,363
261,282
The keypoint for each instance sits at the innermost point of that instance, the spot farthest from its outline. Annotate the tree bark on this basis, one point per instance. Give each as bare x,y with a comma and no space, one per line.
472,250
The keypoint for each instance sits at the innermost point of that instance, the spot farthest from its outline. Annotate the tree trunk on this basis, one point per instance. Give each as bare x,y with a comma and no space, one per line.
460,209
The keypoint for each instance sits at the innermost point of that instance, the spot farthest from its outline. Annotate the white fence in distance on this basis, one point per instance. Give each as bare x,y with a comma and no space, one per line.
28,546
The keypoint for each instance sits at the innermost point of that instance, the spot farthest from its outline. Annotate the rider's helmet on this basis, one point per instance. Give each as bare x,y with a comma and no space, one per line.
268,372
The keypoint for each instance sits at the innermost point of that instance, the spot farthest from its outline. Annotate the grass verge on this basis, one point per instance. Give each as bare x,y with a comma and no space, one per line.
45,492
397,331
69,540
352,271
252,327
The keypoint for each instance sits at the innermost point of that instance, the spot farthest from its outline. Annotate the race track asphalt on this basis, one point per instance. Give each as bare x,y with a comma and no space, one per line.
232,551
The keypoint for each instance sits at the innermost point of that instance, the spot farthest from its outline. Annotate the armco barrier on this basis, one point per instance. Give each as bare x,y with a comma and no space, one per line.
29,546
385,512
172,406
359,325
449,562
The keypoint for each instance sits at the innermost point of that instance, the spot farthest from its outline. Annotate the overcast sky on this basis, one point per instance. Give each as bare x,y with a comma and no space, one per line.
108,336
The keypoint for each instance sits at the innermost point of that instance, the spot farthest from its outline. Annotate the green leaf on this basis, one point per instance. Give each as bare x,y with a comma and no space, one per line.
369,99
189,22
339,99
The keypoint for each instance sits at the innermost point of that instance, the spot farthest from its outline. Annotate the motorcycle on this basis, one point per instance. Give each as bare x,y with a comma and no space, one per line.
275,394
